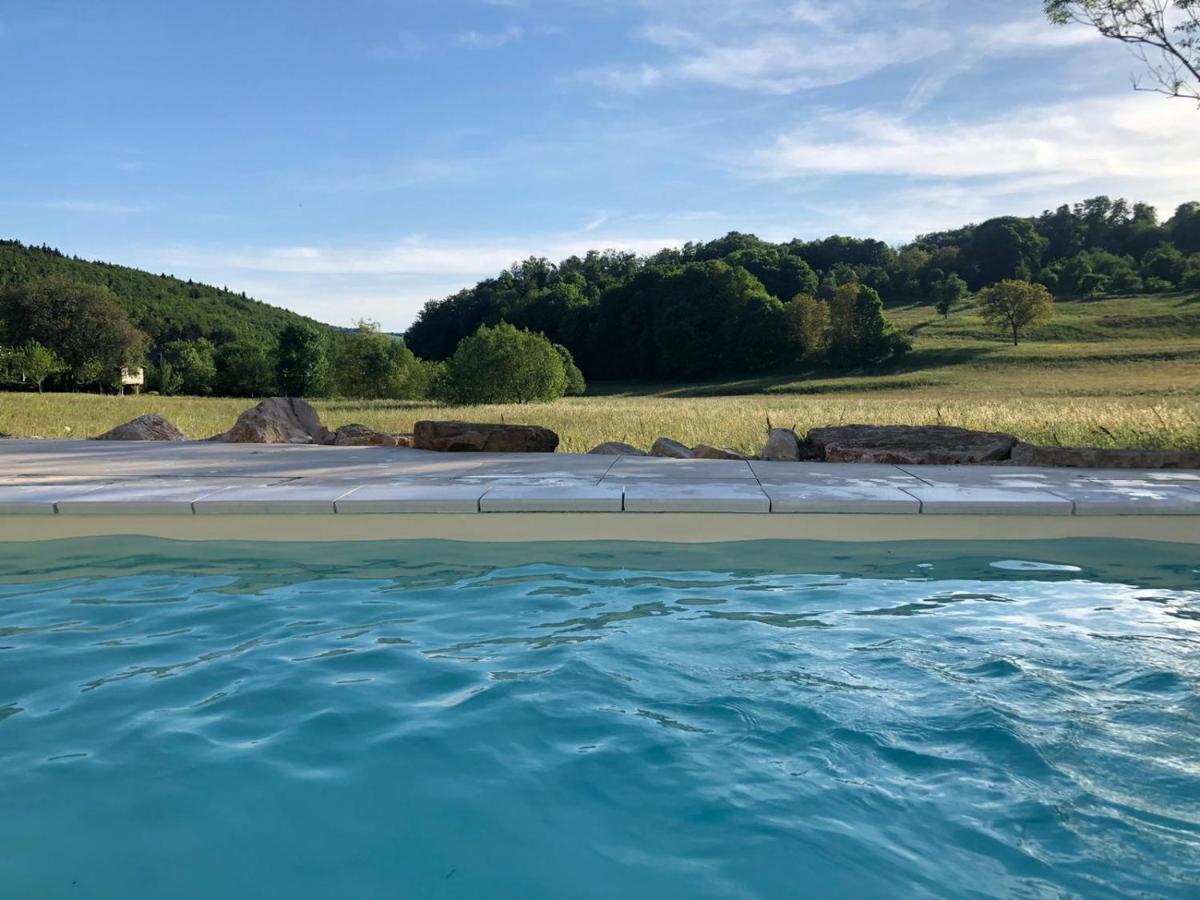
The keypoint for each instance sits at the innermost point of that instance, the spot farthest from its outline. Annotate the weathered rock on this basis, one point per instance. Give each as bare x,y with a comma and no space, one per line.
1100,458
278,420
616,448
782,446
910,444
477,437
704,451
150,427
669,448
362,436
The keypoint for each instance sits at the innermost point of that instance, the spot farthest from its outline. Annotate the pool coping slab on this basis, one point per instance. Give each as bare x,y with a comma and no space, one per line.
68,478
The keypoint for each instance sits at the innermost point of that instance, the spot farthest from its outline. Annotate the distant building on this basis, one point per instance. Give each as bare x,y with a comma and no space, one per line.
133,378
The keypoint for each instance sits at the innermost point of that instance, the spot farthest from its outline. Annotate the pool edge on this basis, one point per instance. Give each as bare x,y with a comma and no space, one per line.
683,528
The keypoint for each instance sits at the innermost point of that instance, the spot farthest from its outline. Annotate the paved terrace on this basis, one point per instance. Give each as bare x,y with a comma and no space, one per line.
78,478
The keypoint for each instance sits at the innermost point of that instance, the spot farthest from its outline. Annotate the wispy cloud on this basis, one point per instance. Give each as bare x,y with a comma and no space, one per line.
483,40
772,48
1064,143
403,45
89,206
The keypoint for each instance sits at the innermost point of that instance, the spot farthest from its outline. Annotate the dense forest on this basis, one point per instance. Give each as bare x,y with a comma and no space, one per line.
163,307
727,306
732,306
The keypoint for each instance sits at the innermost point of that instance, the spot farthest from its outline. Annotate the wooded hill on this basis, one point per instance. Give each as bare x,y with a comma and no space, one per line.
164,307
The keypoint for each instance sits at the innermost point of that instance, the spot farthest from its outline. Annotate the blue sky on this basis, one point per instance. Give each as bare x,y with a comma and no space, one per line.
354,159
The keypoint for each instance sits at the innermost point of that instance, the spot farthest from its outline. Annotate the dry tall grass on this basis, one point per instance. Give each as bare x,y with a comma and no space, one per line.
739,422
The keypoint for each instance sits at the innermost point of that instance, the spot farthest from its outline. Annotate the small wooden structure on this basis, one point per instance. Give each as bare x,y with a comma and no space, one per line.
133,378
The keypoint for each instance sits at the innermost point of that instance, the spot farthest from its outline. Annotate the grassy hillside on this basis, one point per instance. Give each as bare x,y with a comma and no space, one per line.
164,307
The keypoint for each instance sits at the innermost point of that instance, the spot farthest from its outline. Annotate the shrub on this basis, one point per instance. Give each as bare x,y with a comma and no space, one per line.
576,386
504,365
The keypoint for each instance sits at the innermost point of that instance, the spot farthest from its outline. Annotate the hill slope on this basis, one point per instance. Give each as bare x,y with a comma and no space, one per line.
165,307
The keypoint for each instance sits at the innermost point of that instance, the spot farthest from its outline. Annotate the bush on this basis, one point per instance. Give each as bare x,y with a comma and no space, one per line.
372,365
576,386
504,365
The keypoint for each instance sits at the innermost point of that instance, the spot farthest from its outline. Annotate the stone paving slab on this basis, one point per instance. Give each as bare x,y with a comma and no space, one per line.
164,497
698,495
850,498
979,500
149,478
553,498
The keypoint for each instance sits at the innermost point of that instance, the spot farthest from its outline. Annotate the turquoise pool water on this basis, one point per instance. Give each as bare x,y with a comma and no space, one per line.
765,720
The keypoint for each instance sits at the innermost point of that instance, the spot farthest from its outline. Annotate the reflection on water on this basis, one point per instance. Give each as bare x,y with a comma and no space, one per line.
764,719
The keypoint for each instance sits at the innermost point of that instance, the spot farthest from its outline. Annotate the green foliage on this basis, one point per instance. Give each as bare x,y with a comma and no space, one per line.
81,323
31,363
187,367
245,370
808,327
859,332
1184,227
1004,248
1013,306
948,292
372,365
302,361
504,364
1165,263
576,386
163,307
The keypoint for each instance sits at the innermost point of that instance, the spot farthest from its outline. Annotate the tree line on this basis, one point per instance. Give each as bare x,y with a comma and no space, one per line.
739,304
736,305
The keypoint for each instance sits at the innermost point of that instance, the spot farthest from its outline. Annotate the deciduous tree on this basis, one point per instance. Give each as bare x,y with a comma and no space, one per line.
1013,306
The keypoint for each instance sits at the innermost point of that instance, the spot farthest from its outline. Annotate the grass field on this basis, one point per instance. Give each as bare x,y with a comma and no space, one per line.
1113,373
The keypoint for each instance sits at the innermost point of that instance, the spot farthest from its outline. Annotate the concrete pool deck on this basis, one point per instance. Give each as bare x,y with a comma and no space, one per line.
212,491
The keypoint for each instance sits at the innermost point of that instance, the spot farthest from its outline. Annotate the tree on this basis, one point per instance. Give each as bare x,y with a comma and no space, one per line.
373,365
1165,263
83,324
808,326
245,370
1014,305
1185,227
31,364
947,293
859,332
504,365
302,362
576,386
1005,248
187,367
1163,34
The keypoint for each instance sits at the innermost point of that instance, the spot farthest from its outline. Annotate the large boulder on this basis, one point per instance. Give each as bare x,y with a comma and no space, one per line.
616,448
910,444
278,420
150,427
478,437
706,451
362,436
1100,458
670,449
782,446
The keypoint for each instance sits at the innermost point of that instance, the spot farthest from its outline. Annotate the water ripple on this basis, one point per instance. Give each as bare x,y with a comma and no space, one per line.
743,721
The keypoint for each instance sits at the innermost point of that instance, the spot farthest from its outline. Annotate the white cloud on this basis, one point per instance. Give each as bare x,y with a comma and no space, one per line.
1124,138
769,47
488,39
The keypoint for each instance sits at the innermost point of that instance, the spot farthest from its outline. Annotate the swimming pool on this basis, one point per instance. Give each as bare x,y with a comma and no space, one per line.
752,720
